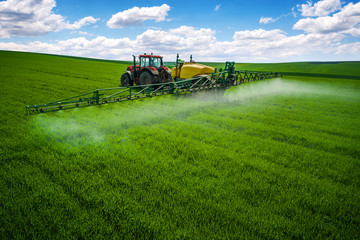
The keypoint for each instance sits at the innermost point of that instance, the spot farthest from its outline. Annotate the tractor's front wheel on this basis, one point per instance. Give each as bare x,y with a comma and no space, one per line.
146,78
125,80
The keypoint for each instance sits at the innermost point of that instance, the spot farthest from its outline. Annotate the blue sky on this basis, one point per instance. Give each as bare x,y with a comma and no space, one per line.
213,30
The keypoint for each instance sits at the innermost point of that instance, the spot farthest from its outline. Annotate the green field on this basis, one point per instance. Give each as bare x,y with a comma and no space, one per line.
345,70
273,159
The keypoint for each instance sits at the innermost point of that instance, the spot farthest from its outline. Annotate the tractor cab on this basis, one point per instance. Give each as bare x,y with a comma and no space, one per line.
150,61
149,70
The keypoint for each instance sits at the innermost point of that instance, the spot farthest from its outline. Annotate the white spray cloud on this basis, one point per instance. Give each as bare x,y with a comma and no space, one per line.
96,125
282,87
71,132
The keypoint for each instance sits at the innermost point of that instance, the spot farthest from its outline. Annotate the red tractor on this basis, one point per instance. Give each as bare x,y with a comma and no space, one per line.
151,70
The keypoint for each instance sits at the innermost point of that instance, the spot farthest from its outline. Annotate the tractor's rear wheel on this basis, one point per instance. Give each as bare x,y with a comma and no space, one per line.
165,76
146,78
125,80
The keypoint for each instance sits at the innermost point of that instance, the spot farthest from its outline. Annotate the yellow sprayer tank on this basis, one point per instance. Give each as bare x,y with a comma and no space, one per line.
190,70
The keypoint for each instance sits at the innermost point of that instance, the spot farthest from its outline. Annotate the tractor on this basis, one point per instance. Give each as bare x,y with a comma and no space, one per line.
150,70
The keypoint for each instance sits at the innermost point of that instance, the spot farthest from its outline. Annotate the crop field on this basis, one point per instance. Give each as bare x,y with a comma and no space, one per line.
347,70
273,159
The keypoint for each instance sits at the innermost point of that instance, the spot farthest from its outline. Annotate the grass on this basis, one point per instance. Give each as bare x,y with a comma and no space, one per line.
275,159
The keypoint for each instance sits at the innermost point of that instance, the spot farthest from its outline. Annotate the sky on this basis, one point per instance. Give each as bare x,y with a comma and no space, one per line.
211,30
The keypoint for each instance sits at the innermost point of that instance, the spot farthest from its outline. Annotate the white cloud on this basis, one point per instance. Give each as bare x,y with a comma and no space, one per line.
34,18
350,48
217,7
182,39
259,34
82,22
293,12
266,20
321,8
246,46
345,21
155,28
276,44
191,32
355,31
136,16
82,33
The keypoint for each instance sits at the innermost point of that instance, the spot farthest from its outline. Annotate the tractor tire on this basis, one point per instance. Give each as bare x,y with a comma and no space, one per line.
146,78
166,77
125,80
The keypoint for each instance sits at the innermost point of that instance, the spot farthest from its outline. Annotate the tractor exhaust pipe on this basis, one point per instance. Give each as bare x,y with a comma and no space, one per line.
134,60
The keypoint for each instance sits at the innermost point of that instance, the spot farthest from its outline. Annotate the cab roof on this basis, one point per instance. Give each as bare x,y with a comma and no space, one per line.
155,56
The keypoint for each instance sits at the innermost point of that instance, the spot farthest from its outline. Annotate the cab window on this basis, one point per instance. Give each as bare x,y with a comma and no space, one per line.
155,62
144,62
